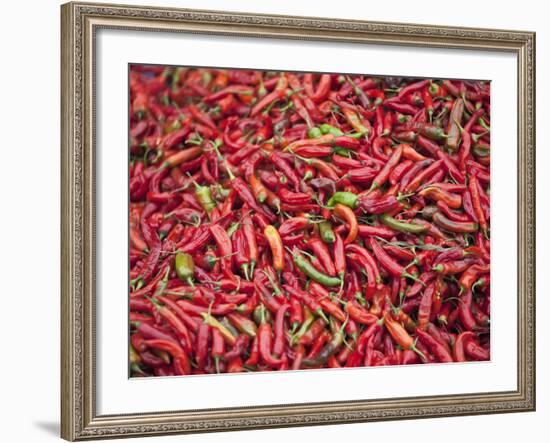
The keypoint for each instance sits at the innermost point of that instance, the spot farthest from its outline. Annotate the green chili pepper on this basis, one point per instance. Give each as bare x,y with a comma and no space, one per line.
329,129
204,196
206,77
303,329
308,269
402,226
481,151
341,151
222,192
210,258
163,283
134,356
433,132
482,123
228,336
260,313
345,198
185,267
136,369
314,132
225,322
326,232
231,230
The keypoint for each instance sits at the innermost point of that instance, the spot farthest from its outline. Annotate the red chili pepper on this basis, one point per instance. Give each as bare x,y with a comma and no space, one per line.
425,307
279,343
476,202
254,356
322,90
475,351
384,173
181,363
203,336
360,314
265,338
320,249
458,349
279,161
469,276
339,256
465,311
385,260
437,349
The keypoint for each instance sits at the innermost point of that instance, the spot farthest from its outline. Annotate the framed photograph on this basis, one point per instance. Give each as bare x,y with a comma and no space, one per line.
277,221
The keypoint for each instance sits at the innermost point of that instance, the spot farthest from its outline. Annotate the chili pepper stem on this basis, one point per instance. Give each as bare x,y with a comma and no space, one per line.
244,267
321,314
415,349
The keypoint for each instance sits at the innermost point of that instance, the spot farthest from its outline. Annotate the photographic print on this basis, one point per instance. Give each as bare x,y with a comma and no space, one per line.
271,209
296,221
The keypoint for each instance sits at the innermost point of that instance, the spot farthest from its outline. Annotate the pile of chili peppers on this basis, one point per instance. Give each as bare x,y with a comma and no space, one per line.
284,221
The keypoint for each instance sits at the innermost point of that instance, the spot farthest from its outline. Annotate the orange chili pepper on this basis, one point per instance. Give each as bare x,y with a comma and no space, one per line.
398,333
276,244
349,217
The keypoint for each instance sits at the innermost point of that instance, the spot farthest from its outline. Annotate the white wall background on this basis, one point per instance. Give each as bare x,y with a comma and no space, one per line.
29,218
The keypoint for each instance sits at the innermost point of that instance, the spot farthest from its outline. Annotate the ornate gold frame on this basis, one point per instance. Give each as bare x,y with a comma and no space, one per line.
79,420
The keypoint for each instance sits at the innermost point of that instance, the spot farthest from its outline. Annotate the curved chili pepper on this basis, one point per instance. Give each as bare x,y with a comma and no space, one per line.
454,226
348,199
384,173
476,202
439,351
307,268
348,215
339,257
380,205
329,349
265,338
465,311
182,366
243,324
227,335
425,307
402,226
452,200
475,351
452,267
455,119
398,333
279,343
359,314
322,253
470,275
238,349
422,176
458,349
276,245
